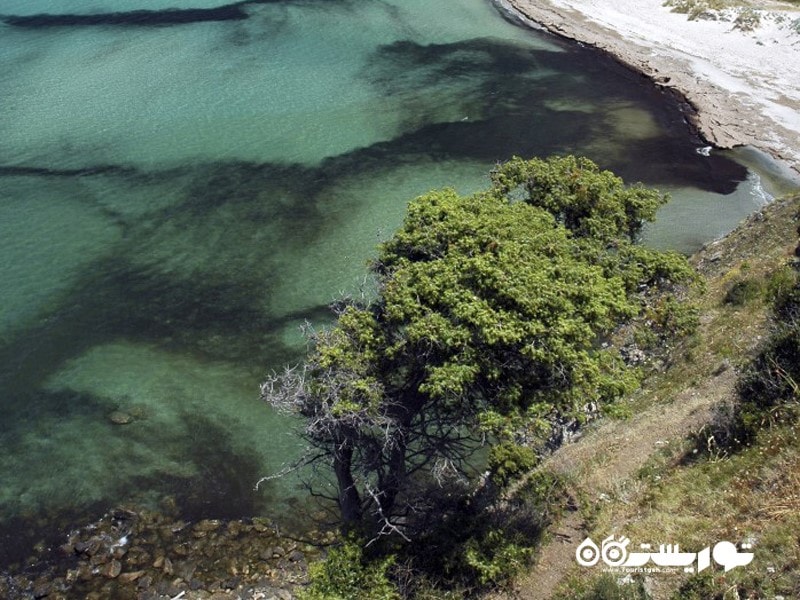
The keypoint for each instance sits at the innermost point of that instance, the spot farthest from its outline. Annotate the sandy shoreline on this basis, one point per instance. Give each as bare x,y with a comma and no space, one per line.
743,86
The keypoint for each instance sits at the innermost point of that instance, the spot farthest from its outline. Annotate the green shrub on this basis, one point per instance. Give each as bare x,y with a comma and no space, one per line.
780,284
508,460
346,574
744,292
482,542
496,552
673,318
495,559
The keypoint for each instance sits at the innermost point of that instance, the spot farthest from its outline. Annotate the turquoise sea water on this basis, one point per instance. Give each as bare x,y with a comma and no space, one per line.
181,189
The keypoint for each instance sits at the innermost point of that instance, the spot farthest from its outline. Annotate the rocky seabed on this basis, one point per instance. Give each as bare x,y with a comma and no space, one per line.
137,555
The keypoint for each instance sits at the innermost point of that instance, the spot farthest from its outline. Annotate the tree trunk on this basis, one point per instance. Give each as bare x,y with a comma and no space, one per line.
349,498
395,478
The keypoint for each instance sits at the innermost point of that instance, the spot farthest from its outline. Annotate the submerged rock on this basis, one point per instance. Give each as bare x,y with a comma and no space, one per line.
112,569
119,417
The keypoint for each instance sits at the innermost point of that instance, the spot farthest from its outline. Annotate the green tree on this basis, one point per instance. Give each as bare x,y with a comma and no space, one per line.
489,323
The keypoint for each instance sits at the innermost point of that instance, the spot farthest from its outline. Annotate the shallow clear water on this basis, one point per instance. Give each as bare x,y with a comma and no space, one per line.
181,190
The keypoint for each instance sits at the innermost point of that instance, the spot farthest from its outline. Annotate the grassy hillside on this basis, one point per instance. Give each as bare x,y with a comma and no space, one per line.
668,475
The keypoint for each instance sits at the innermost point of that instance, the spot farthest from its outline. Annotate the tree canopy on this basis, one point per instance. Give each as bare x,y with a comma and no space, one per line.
491,322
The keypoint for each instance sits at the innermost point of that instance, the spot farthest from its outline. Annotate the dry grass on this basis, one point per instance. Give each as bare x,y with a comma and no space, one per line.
782,497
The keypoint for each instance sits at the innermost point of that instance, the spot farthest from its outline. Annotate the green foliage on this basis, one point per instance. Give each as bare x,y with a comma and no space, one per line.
544,491
672,318
345,574
495,559
587,201
744,292
775,288
508,460
780,284
468,547
490,318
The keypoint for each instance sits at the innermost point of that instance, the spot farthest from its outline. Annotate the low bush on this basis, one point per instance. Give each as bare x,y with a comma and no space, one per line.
697,9
748,19
346,574
744,292
508,460
475,545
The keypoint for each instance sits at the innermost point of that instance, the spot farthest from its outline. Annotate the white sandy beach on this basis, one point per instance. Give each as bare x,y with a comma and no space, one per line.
744,86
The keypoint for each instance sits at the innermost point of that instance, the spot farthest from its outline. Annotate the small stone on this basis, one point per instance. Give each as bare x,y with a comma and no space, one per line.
186,569
260,525
296,556
207,525
168,570
178,526
175,589
230,584
112,569
277,552
234,528
265,554
85,572
119,417
131,576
